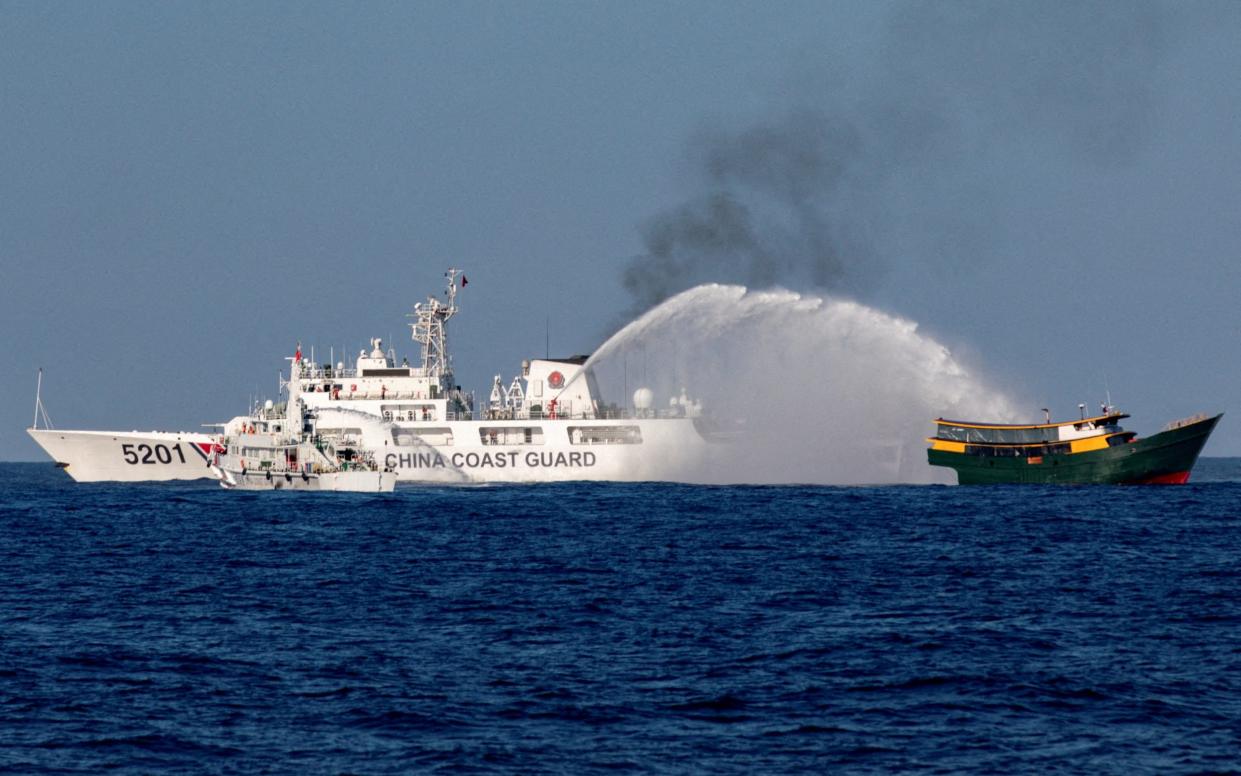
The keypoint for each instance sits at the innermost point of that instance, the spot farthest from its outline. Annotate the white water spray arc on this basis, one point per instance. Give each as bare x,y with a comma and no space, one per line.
808,389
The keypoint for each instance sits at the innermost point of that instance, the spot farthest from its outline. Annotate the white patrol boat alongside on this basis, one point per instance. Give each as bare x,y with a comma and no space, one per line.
281,448
550,423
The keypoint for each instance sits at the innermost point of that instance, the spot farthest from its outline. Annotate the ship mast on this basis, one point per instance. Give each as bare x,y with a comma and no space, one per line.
428,330
39,410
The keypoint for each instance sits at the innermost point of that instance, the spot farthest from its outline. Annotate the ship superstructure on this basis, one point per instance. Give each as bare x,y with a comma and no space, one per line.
548,422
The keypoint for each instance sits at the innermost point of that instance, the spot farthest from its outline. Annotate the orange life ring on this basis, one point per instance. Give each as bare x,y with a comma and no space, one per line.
555,379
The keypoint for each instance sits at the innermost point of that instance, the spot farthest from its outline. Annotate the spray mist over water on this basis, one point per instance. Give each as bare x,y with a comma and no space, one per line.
817,389
870,174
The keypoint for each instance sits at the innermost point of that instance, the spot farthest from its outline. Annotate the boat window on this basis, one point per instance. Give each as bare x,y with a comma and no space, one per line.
385,372
511,435
1018,451
997,436
412,437
409,412
605,435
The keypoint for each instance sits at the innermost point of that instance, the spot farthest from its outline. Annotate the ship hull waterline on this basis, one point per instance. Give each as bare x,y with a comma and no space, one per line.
343,481
1165,458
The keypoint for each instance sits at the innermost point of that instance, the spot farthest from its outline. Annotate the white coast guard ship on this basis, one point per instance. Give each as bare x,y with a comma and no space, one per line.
549,423
287,450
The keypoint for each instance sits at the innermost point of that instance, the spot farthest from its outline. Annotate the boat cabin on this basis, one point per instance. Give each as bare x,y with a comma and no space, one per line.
1033,440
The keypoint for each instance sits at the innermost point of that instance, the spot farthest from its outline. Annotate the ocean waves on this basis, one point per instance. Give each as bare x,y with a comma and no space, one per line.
590,627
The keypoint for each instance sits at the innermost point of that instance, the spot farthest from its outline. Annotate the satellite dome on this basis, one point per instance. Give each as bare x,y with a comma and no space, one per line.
643,398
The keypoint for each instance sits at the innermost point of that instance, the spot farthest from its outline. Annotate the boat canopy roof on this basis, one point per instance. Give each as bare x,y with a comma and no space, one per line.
1017,434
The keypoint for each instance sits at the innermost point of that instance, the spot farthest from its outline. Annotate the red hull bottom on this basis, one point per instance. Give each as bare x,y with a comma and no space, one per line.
1175,478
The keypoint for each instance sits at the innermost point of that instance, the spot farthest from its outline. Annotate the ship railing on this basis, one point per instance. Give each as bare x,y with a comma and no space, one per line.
315,372
277,411
537,412
1183,422
608,413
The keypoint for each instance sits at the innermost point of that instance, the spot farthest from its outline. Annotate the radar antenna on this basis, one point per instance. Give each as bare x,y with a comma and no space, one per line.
428,330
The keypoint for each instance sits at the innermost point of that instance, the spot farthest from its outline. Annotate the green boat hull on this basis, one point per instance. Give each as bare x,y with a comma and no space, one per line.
1165,458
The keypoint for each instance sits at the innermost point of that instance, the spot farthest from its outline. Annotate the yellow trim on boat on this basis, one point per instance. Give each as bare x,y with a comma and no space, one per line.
1088,444
947,446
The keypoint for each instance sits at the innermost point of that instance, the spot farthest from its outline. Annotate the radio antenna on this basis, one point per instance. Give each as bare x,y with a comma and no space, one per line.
39,410
38,389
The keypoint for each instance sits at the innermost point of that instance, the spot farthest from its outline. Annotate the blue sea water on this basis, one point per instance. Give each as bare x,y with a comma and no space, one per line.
580,628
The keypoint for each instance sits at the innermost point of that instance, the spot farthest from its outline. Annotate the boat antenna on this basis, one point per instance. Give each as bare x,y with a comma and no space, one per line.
38,389
39,410
1046,415
1082,409
547,337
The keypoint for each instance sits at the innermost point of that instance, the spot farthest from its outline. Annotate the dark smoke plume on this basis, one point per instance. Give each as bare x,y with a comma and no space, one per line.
766,215
958,103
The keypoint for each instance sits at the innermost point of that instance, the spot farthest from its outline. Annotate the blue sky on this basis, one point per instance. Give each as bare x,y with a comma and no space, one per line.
187,189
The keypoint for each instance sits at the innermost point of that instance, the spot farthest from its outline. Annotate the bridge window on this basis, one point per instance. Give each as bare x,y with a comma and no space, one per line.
605,435
511,435
411,437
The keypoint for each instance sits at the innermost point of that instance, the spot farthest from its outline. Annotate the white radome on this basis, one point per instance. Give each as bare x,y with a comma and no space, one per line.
643,399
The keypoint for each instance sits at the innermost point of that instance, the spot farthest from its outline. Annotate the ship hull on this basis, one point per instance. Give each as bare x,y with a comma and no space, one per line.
671,449
1165,458
131,456
342,482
